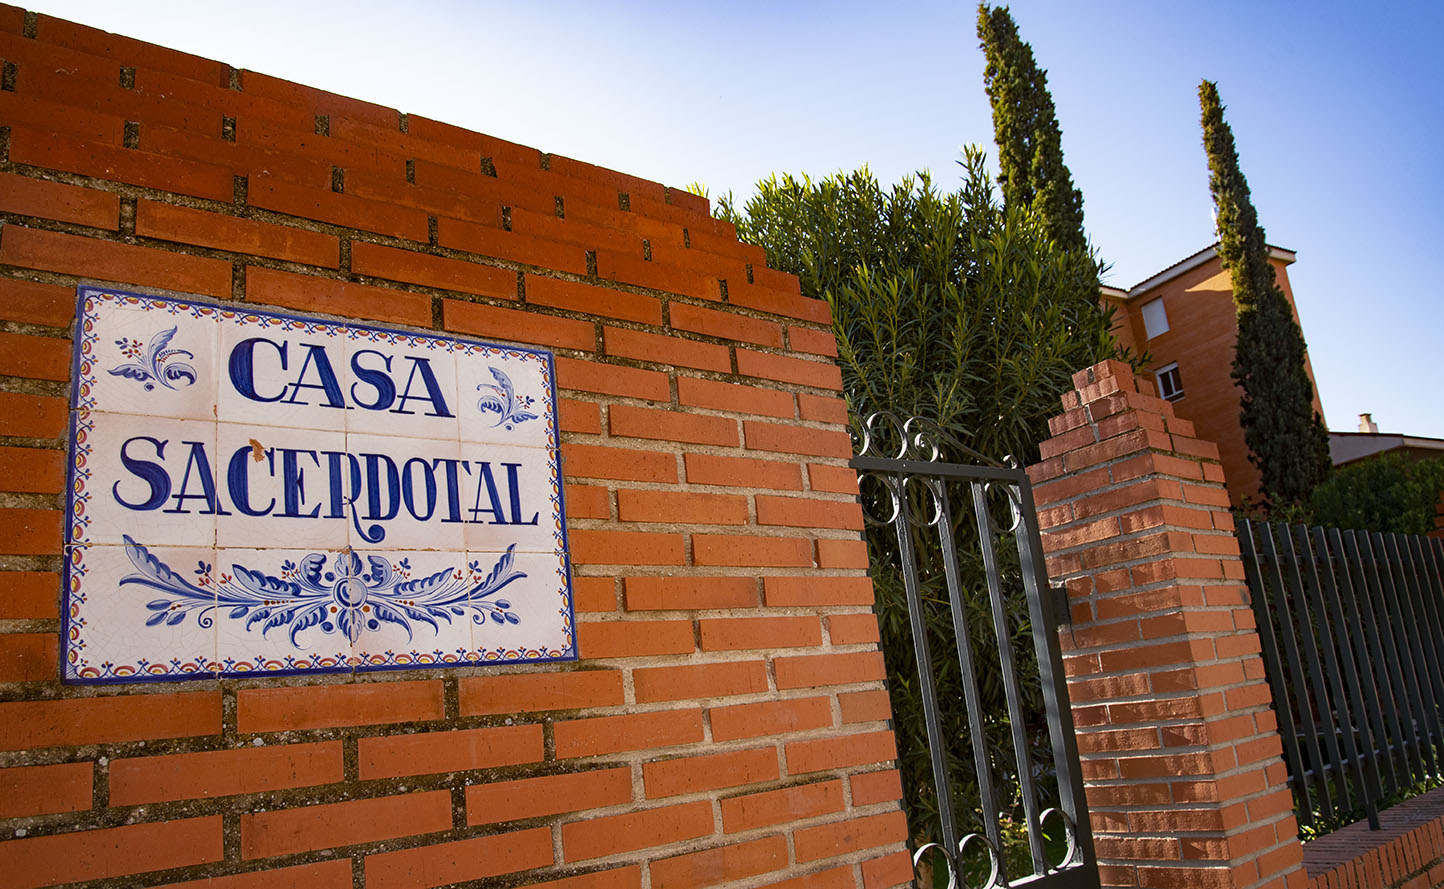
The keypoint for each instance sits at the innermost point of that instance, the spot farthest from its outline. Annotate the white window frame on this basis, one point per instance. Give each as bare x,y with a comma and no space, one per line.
1155,318
1165,371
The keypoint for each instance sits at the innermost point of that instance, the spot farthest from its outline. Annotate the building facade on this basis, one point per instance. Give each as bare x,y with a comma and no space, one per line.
1183,321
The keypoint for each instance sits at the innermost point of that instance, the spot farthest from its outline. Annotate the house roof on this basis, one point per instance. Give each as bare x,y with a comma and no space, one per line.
1347,447
1189,263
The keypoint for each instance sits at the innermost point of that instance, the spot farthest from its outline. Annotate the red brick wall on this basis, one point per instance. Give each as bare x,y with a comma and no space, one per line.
727,720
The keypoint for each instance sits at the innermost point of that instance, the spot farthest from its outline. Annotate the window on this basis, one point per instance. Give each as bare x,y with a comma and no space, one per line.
1170,384
1155,319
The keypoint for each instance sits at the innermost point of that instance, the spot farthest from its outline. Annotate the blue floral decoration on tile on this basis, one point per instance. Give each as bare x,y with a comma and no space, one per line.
344,594
155,363
510,408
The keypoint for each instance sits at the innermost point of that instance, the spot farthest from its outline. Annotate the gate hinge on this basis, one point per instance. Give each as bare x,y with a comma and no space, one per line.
1062,613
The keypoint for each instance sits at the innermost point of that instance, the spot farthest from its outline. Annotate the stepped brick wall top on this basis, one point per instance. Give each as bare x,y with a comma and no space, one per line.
726,721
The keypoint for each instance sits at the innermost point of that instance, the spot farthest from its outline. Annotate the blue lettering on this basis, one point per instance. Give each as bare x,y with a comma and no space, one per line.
374,465
453,487
433,389
238,480
379,380
243,368
408,490
512,480
198,461
487,487
329,385
293,484
153,474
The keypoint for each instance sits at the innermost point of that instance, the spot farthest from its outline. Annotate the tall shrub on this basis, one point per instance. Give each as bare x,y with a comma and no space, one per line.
952,307
1025,126
1285,435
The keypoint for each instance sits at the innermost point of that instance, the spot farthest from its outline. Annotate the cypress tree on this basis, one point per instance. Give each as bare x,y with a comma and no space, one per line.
1025,126
1285,435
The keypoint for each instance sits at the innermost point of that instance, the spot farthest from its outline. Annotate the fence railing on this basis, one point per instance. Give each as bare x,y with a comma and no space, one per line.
1352,630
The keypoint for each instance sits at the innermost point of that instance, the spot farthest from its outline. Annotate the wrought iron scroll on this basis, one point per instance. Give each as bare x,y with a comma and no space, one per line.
907,479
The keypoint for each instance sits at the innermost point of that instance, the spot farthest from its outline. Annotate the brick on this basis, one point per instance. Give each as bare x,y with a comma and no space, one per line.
32,470
686,593
828,669
721,864
312,294
840,837
832,878
661,349
32,303
742,472
171,223
740,634
812,341
612,379
697,681
629,877
852,629
181,776
770,718
748,551
321,875
632,731
593,300
876,787
427,753
579,416
612,834
500,801
622,464
678,506
111,852
72,722
29,657
517,326
32,595
675,426
594,547
635,638
778,302
32,416
734,397
655,275
54,151
841,554
781,806
330,706
446,863
588,502
762,436
766,366
488,240
822,409
539,692
841,752
327,826
46,790
695,774
594,594
113,261
432,271
804,512
864,706
27,196
725,325
34,357
890,870
816,591
125,50
349,211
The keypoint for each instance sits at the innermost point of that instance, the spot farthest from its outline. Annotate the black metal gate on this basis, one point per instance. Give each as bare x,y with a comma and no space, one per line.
974,582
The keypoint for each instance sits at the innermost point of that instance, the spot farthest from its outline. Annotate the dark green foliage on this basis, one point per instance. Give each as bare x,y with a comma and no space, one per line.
1285,435
953,308
1025,126
1389,493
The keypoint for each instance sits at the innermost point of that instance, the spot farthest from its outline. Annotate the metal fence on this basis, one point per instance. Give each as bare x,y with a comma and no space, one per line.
959,543
1352,629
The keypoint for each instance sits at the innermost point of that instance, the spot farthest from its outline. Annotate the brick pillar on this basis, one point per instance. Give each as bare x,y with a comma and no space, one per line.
1181,758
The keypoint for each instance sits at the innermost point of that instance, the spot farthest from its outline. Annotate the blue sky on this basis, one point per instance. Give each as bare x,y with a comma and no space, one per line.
1337,111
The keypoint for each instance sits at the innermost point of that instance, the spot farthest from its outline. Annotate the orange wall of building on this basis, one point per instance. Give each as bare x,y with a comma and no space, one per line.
1202,331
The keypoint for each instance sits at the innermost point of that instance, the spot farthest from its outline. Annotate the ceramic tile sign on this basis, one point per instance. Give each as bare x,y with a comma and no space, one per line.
257,493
